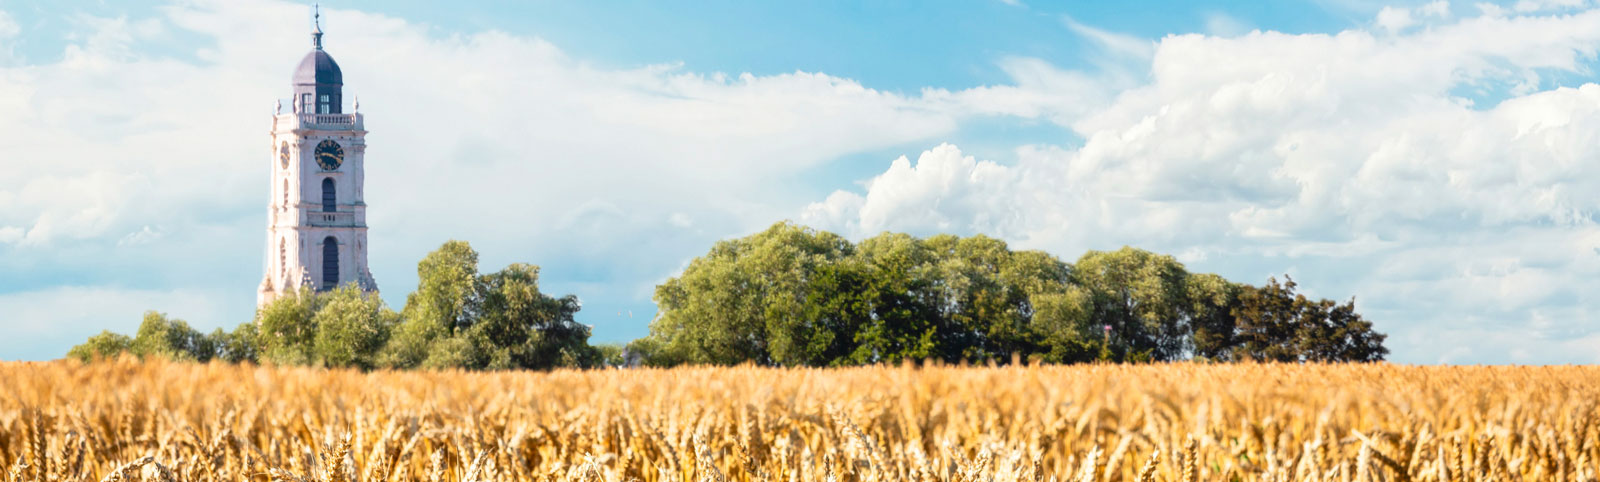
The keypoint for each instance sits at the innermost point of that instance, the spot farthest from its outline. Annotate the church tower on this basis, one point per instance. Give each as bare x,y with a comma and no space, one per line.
316,219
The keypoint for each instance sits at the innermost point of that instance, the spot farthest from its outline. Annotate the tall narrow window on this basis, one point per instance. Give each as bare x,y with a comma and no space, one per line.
330,201
305,103
285,194
324,104
283,259
330,263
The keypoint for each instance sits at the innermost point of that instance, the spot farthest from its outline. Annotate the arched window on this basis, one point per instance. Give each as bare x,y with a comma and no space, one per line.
329,199
330,263
285,193
283,258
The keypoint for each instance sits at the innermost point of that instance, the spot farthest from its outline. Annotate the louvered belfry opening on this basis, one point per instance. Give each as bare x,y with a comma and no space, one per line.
329,200
330,263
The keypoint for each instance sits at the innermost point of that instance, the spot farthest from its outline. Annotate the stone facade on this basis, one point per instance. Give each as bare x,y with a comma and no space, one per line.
316,219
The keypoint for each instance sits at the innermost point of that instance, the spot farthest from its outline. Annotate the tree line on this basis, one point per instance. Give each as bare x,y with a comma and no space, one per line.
791,295
456,318
795,296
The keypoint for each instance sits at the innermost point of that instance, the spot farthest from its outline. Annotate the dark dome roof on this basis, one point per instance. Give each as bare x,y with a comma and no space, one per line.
318,68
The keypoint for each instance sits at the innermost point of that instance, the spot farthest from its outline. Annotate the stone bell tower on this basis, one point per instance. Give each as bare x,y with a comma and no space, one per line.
316,219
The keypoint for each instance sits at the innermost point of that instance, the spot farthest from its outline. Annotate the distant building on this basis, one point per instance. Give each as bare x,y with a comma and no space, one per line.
316,219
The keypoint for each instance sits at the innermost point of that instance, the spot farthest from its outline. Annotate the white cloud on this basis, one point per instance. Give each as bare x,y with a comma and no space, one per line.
1347,160
1394,19
944,191
1491,10
1438,8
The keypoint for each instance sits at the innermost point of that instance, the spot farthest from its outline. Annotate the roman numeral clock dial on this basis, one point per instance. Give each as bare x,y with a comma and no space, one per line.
329,155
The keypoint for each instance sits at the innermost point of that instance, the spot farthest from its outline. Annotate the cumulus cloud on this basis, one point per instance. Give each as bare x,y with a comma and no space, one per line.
1431,173
944,191
1394,19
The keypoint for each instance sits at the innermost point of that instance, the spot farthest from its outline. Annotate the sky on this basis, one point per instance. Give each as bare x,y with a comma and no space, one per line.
1438,162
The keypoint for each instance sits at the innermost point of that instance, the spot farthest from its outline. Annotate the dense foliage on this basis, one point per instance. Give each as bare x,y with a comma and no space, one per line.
796,296
456,319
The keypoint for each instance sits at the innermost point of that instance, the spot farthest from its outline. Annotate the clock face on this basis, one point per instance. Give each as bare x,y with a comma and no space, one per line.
283,155
329,155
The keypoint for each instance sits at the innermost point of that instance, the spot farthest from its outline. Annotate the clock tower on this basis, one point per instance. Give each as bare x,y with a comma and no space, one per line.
316,219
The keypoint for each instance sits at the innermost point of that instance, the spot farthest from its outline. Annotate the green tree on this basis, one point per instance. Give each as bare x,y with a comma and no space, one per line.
745,300
409,343
104,345
1277,324
1063,321
611,354
1027,280
172,339
1142,296
286,331
351,326
449,352
459,319
790,295
239,345
446,299
1266,319
974,306
650,351
520,327
836,308
447,287
899,290
1334,332
1210,302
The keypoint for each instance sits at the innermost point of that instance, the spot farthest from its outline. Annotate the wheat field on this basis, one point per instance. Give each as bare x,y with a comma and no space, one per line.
125,420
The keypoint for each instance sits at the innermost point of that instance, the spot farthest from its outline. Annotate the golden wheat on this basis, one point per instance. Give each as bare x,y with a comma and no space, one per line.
125,420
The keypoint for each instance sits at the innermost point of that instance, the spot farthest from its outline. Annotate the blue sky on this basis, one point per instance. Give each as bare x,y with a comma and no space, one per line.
1434,160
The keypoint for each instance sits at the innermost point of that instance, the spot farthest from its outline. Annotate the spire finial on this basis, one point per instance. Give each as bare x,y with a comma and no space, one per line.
316,26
